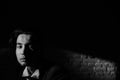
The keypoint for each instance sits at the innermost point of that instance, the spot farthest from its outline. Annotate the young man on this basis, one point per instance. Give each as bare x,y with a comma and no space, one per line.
24,59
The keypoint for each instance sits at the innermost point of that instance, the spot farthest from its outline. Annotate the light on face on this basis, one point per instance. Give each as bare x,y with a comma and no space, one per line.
22,41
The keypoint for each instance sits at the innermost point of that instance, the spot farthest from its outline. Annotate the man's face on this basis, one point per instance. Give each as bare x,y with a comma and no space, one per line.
23,48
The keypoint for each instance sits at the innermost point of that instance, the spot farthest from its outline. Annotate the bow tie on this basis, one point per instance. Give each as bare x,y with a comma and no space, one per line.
28,73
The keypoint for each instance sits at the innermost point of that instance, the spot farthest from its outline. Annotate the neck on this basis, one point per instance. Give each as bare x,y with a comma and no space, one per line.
31,65
31,68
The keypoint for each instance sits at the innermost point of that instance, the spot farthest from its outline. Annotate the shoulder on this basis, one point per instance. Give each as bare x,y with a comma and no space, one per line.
3,54
5,51
56,73
7,56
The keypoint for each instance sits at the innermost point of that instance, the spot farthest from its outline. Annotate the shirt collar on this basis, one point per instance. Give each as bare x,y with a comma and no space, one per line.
28,72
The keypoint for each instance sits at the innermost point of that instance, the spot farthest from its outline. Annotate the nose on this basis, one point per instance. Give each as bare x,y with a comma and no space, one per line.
25,50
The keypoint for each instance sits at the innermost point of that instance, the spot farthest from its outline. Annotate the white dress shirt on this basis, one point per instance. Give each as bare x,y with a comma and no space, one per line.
28,72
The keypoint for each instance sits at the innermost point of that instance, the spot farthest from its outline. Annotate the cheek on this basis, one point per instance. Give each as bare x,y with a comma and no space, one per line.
18,51
17,54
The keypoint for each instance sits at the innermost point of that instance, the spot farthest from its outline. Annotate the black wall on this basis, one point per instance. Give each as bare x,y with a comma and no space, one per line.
88,27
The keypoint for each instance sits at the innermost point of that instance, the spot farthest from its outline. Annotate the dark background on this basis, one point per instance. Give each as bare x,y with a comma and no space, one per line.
77,26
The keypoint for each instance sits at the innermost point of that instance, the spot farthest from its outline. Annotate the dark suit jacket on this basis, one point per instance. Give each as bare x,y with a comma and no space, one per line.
10,69
73,69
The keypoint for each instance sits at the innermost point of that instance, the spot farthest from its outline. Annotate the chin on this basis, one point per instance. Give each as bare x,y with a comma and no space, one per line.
22,63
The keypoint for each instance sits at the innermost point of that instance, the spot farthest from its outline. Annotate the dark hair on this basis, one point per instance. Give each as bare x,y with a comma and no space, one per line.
36,38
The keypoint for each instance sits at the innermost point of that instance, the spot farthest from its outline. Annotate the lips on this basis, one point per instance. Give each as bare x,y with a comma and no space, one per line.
22,59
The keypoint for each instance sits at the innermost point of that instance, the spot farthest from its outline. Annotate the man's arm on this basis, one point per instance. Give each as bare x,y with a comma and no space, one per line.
91,68
56,73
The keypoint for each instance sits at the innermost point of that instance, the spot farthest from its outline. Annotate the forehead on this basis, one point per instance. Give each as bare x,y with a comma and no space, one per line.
23,38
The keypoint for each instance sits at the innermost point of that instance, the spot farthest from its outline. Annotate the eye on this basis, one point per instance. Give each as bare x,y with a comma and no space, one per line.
19,46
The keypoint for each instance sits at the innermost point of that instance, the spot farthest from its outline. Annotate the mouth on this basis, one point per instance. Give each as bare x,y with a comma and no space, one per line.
23,59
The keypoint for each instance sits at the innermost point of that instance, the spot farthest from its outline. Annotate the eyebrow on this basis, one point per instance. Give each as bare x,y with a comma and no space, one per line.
19,43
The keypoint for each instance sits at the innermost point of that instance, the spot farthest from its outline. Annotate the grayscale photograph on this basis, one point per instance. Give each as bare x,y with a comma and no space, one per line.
60,40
